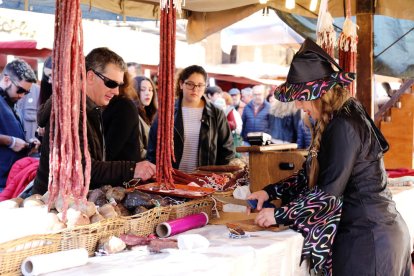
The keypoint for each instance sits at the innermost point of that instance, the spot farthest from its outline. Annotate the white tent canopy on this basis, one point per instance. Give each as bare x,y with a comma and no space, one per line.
206,17
258,29
135,46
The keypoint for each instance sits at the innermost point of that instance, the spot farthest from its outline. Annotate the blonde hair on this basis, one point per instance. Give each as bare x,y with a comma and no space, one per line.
226,96
329,103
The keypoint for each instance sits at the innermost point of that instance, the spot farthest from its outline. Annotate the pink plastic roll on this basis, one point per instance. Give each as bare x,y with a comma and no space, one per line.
177,226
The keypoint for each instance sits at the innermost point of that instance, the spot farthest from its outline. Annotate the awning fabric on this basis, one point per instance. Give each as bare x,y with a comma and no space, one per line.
393,40
205,17
23,48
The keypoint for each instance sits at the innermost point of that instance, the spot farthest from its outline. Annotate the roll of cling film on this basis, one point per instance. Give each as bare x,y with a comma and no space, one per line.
180,225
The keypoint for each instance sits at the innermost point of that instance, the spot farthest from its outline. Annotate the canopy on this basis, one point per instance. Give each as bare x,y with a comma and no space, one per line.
23,48
259,29
393,51
205,17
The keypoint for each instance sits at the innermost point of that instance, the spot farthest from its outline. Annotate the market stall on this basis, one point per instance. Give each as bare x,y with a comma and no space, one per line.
262,253
245,255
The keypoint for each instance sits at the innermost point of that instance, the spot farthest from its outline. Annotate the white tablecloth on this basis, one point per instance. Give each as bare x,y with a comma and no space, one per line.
268,253
404,200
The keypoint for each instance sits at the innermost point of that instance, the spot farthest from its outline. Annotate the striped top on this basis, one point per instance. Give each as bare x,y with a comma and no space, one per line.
192,124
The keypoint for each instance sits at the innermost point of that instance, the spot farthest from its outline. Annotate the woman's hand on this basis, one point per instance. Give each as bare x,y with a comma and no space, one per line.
266,217
261,197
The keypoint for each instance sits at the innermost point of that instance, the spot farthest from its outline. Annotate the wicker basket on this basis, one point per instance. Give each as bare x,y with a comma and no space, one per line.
192,207
219,204
13,253
88,236
144,224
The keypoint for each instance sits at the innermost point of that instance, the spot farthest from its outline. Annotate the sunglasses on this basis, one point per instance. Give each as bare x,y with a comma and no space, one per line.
20,90
107,81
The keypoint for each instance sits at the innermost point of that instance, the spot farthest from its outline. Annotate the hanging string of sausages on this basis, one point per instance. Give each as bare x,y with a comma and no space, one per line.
67,176
165,147
347,46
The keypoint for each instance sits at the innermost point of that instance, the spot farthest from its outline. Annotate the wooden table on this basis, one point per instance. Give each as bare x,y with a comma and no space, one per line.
269,164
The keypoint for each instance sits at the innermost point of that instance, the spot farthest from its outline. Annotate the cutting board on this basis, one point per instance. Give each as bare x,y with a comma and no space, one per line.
244,221
249,226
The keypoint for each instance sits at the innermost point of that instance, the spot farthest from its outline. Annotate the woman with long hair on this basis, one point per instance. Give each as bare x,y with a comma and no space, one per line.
147,104
201,133
339,201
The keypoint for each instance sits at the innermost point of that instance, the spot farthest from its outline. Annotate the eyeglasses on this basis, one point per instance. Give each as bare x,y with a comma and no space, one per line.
107,81
191,85
20,90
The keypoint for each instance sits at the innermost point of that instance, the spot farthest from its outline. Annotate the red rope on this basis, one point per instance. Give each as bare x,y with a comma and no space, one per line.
348,58
165,148
347,61
67,177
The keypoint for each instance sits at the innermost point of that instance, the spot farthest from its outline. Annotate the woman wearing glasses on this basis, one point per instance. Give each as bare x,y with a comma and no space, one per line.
201,133
147,104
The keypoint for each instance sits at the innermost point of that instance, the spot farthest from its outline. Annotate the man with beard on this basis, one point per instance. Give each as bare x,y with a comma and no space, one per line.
15,82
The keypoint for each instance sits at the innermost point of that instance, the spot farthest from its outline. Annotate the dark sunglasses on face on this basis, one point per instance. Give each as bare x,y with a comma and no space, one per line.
20,90
107,81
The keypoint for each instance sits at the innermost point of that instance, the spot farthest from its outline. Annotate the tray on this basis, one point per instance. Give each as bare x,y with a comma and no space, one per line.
249,226
179,191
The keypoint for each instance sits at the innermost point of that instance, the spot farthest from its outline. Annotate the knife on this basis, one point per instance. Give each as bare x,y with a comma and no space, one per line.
251,203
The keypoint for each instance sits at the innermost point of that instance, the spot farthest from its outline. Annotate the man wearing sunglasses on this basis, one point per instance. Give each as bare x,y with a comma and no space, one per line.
15,81
104,75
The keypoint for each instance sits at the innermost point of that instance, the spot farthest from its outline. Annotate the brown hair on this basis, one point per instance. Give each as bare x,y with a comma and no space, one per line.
185,74
99,58
147,113
127,89
327,104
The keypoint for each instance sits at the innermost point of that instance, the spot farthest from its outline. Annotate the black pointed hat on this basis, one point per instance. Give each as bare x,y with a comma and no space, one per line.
311,74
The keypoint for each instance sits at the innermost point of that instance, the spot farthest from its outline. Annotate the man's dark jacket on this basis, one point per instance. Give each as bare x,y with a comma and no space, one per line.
102,172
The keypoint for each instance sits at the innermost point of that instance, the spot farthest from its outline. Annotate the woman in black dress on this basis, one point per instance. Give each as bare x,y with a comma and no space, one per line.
339,201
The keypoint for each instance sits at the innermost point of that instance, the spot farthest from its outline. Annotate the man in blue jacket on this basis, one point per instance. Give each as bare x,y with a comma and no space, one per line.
256,113
15,82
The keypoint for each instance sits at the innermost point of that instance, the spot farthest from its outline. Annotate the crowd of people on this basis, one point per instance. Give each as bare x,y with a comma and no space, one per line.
122,126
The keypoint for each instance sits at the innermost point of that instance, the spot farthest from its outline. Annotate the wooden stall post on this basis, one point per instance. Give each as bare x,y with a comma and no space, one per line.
365,58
